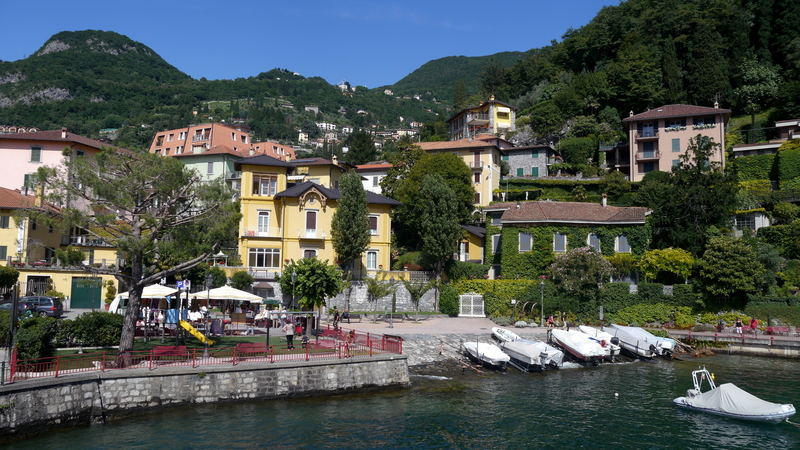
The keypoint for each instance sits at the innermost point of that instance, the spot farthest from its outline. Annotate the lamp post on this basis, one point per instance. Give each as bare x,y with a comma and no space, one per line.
394,302
209,281
541,318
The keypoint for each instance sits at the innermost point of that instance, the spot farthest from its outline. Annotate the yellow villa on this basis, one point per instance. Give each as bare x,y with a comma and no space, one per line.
283,221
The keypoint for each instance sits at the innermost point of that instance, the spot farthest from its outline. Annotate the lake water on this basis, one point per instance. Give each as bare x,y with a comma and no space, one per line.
568,408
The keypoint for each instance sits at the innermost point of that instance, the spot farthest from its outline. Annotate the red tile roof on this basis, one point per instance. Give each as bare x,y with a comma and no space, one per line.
571,212
55,135
13,199
676,111
448,145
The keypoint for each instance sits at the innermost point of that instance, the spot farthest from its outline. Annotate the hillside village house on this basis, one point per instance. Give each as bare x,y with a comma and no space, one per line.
24,153
660,136
283,221
491,117
516,229
787,129
481,156
372,173
30,248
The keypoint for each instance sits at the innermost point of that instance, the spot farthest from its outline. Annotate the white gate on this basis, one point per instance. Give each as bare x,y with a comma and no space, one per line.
471,305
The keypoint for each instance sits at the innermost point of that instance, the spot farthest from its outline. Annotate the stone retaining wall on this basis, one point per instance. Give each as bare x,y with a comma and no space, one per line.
32,406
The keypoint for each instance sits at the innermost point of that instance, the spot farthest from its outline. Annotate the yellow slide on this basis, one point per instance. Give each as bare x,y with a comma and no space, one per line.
195,333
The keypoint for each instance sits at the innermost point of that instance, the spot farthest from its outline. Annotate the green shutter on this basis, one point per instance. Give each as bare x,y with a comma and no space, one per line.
520,172
534,153
3,252
676,145
534,171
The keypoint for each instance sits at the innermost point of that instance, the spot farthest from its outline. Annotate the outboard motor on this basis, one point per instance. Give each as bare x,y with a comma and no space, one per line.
615,340
654,350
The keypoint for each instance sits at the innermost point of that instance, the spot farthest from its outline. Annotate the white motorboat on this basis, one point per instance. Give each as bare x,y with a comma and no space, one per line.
551,356
487,354
579,345
503,335
524,354
730,401
608,342
641,342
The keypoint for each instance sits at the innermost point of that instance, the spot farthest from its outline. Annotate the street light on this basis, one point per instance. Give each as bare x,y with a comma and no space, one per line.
294,280
541,318
209,281
394,302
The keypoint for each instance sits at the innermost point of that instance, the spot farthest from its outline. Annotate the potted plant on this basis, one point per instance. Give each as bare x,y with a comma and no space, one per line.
111,292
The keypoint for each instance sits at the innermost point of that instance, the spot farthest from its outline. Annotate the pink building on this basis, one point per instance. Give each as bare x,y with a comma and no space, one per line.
660,136
200,138
24,153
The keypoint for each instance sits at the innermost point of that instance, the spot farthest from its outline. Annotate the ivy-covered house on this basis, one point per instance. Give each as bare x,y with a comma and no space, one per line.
523,238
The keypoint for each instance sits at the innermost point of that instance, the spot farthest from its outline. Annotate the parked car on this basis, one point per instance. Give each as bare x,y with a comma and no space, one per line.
45,306
22,307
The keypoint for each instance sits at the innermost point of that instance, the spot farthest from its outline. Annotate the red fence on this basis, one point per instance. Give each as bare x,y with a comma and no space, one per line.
331,345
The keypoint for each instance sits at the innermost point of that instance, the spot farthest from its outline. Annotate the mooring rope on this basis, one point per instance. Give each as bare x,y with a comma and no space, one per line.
793,423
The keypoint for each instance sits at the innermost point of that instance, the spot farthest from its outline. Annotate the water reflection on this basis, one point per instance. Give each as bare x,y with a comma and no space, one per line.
566,408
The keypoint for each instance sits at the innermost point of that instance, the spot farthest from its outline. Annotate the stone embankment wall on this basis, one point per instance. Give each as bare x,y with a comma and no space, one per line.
427,350
31,406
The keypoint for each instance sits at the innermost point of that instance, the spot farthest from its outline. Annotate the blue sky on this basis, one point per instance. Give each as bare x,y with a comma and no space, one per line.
372,43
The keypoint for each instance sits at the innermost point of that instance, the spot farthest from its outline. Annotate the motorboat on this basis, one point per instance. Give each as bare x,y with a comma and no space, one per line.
551,356
503,335
524,354
607,341
578,345
642,343
487,354
730,401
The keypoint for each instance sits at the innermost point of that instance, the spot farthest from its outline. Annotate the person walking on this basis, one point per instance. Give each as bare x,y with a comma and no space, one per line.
335,318
754,326
288,330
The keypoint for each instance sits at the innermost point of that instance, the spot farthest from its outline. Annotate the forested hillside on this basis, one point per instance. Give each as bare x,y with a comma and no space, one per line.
91,80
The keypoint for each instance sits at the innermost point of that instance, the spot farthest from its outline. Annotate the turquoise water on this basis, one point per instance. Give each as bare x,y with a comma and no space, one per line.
570,408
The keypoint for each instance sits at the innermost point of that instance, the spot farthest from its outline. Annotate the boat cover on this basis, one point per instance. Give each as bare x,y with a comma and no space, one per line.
489,353
551,355
579,343
524,351
730,399
644,335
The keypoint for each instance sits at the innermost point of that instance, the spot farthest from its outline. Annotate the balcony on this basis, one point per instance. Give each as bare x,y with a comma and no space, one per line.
271,232
478,119
85,241
237,175
476,165
308,233
648,156
554,160
607,147
647,134
199,137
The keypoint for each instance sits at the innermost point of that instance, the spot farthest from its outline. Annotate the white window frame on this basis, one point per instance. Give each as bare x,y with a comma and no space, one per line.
372,260
589,241
263,222
210,168
374,231
497,243
618,244
529,242
563,247
271,258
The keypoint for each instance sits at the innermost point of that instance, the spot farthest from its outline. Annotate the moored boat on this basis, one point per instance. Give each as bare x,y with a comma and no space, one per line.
578,345
642,343
730,401
524,354
608,342
503,335
488,354
551,356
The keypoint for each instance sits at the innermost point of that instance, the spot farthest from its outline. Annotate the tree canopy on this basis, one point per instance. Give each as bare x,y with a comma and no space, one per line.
316,280
350,231
159,215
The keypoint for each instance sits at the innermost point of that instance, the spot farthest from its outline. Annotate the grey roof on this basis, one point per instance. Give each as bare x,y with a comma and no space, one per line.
298,190
261,160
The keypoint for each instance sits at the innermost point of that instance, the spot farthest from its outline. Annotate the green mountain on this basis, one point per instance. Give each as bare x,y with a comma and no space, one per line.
439,76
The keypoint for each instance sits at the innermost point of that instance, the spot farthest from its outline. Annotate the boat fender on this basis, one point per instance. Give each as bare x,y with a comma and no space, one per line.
603,343
615,340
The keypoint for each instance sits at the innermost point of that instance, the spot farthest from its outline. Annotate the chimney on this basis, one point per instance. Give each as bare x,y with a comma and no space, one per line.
630,114
502,135
335,159
716,105
288,158
64,133
605,199
518,205
491,98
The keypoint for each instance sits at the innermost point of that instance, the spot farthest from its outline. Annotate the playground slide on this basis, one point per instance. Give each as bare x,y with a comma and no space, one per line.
194,332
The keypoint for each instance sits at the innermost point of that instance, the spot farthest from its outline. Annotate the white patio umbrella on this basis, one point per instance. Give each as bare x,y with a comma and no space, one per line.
228,293
152,291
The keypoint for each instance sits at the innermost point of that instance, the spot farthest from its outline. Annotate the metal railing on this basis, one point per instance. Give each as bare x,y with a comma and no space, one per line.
256,232
332,344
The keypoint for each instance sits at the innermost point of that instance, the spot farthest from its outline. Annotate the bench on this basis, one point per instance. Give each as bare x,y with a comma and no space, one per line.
170,352
351,318
251,348
400,317
419,317
778,330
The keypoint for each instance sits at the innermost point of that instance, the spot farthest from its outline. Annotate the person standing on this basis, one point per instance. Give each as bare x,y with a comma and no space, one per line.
754,325
288,330
739,325
335,318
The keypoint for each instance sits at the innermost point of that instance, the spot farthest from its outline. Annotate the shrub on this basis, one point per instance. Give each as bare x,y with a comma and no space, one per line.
5,321
683,317
652,293
494,305
685,295
448,300
34,337
754,167
788,164
643,314
456,270
785,315
98,329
